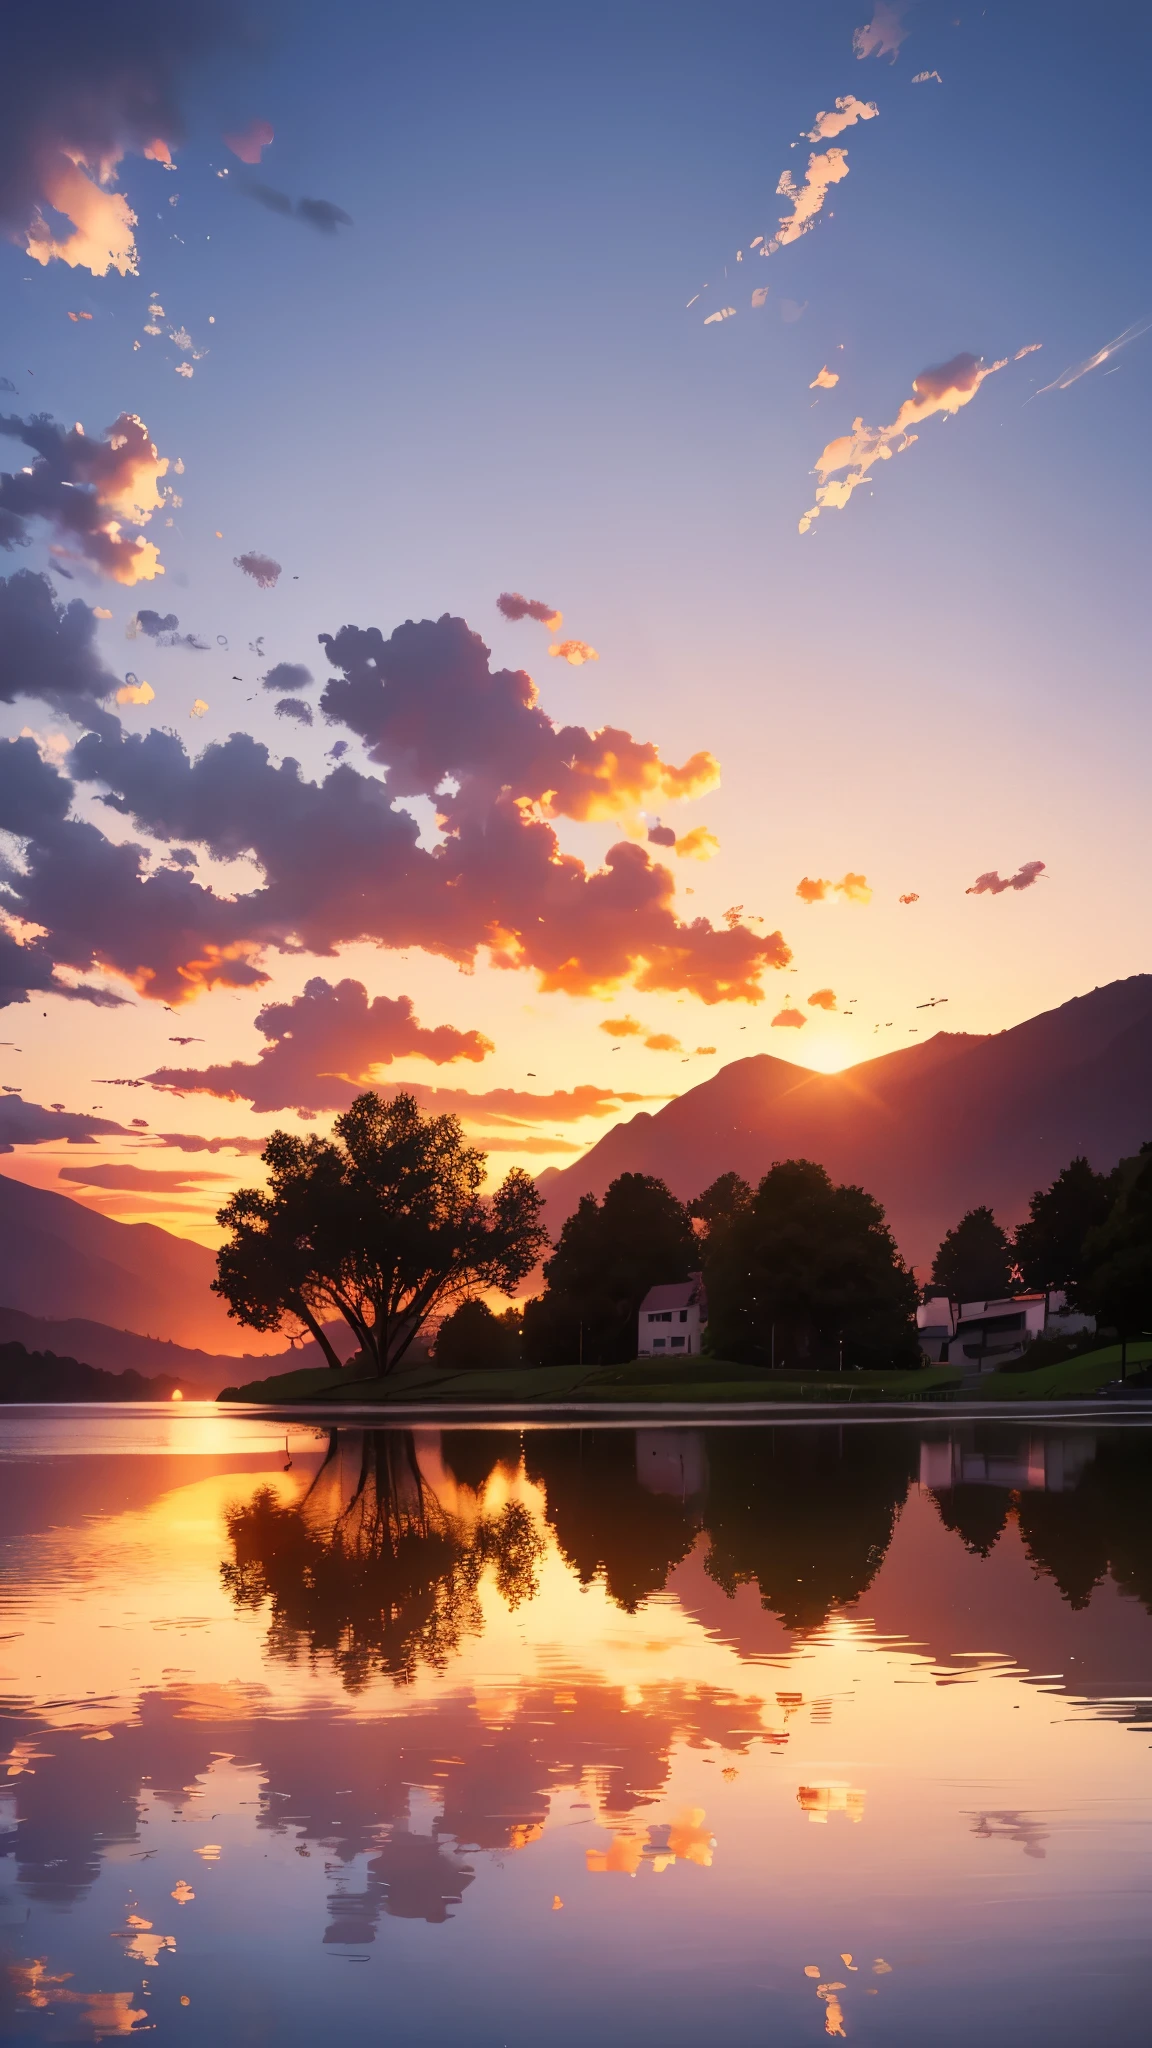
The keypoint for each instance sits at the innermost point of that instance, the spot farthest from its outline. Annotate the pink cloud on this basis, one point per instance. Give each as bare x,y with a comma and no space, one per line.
250,143
848,461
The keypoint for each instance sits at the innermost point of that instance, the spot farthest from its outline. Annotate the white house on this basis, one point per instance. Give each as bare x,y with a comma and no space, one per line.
986,1334
673,1318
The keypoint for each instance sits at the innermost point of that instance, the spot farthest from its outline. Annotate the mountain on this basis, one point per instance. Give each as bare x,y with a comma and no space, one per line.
118,1351
35,1376
932,1130
60,1260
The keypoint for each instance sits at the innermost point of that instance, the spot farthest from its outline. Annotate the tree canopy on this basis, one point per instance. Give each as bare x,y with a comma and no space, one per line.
608,1255
384,1225
975,1261
804,1269
472,1338
720,1201
1116,1284
1050,1245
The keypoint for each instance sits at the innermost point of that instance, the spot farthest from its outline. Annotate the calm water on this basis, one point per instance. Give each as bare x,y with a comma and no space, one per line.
756,1735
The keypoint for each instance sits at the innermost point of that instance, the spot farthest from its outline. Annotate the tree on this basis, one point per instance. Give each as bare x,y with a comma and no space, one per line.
473,1338
809,1273
975,1260
1116,1285
726,1196
384,1226
1050,1246
609,1254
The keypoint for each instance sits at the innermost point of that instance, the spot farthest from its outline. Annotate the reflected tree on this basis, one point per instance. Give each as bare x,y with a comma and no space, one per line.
977,1514
385,1581
604,1519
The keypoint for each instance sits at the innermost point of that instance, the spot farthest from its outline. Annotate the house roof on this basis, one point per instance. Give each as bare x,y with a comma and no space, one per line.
674,1294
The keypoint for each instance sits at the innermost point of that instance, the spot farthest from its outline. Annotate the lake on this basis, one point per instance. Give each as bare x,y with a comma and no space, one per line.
511,1737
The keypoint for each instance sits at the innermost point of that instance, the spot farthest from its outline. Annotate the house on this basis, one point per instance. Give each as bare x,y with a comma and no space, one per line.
982,1335
673,1318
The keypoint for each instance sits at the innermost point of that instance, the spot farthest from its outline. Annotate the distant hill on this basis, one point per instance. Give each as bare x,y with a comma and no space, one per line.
200,1372
59,1260
931,1130
41,1376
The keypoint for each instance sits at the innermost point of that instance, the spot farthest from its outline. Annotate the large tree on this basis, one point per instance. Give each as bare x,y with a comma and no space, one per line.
808,1273
472,1338
384,1225
609,1254
975,1261
1116,1285
1050,1245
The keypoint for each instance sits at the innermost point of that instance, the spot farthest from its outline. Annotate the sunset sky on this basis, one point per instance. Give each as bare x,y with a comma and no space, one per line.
450,333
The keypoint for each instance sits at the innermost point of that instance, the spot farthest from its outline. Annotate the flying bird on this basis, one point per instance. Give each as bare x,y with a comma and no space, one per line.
185,1041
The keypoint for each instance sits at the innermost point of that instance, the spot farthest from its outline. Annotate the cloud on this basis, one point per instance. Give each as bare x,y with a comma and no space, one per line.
261,568
883,35
822,999
79,93
288,675
48,650
725,313
1078,370
188,1141
661,835
923,77
199,707
825,379
807,199
793,1017
340,860
514,607
848,112
760,295
521,1106
83,488
164,631
911,897
28,1123
316,213
699,844
991,884
941,390
291,707
250,143
853,888
143,1179
662,1041
323,1047
135,693
577,652
704,1050
623,1027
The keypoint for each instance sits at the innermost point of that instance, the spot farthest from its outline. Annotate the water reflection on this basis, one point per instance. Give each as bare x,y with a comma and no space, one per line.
664,1717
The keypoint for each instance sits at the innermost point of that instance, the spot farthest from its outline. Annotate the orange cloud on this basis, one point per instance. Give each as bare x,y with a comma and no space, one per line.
623,1027
883,35
848,112
699,844
911,897
825,379
787,1016
135,693
608,773
85,487
577,652
807,199
943,390
663,1041
250,143
822,999
103,223
854,889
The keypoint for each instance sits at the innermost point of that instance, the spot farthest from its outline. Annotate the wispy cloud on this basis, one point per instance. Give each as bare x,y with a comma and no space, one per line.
512,606
883,35
1102,355
808,199
825,379
853,888
993,884
942,390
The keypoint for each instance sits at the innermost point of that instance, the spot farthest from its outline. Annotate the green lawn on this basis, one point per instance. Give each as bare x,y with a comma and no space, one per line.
656,1380
1069,1378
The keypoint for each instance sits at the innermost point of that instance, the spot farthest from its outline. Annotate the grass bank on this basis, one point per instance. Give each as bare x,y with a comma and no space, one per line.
1068,1378
695,1379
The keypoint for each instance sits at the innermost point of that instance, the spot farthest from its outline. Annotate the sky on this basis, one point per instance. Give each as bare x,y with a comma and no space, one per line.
853,574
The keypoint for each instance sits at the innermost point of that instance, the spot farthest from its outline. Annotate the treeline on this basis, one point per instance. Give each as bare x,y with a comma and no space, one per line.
41,1376
1089,1235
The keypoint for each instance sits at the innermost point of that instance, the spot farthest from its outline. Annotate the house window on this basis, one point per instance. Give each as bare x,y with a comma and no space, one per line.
657,1343
677,1343
683,1315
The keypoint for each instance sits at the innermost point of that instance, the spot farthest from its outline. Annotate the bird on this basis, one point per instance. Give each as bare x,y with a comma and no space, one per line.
531,1076
185,1041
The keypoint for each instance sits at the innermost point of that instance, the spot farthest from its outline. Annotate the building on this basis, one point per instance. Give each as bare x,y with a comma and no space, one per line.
673,1318
981,1335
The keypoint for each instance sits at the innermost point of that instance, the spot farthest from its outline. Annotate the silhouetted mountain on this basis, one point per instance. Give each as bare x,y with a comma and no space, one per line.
62,1260
931,1130
41,1376
202,1373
